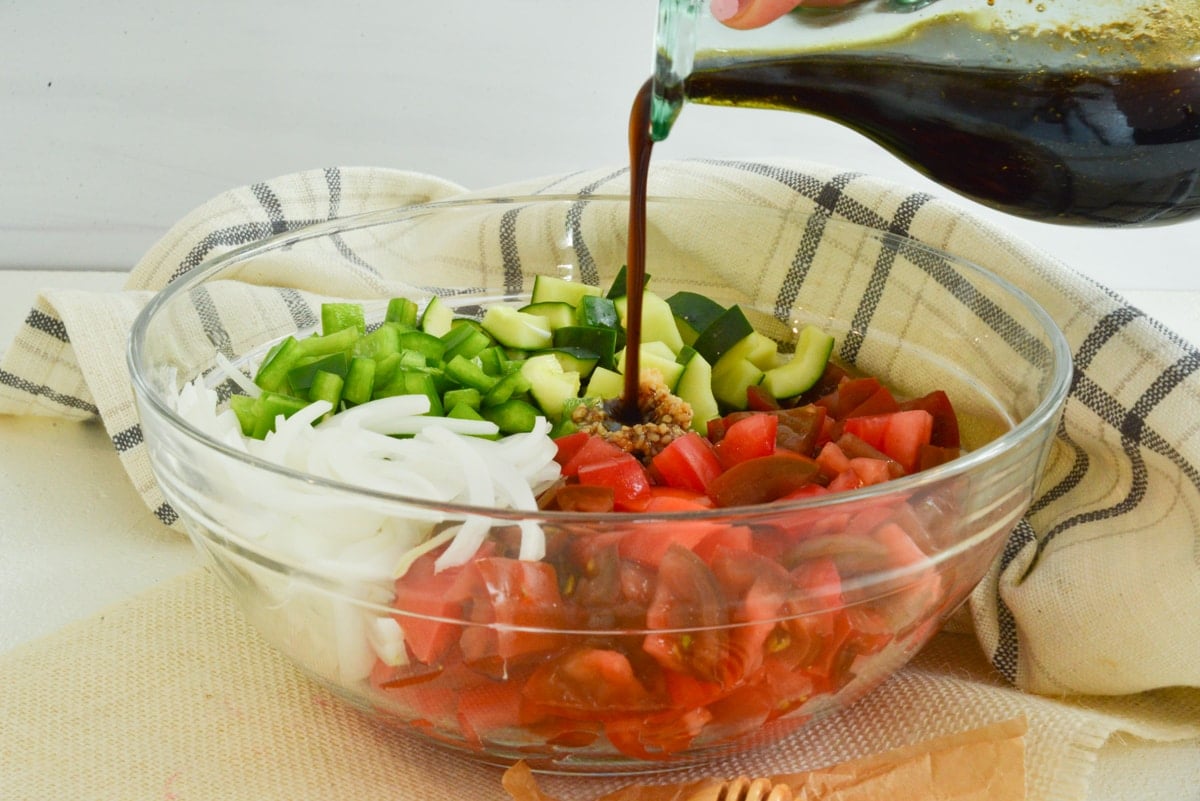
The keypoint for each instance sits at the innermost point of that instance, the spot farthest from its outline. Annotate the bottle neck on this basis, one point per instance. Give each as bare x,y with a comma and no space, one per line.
674,56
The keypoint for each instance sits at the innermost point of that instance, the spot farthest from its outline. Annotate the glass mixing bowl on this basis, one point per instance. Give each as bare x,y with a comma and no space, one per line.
628,645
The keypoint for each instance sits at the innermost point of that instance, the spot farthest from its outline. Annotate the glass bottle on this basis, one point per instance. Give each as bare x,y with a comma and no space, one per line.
1070,111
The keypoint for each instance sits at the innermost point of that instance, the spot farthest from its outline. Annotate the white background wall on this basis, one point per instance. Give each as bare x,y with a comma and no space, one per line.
118,117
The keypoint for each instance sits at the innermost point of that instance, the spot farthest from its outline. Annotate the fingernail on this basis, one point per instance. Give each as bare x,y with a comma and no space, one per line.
725,9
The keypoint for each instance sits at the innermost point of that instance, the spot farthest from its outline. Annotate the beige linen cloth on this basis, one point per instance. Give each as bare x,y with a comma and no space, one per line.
1096,597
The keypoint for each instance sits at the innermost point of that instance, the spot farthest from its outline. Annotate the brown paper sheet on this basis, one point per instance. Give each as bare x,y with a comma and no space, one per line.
984,764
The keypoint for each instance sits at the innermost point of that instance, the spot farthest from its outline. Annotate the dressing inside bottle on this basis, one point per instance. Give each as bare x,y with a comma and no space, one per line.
1068,111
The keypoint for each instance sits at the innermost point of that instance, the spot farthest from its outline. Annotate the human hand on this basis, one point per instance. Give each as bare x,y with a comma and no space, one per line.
756,13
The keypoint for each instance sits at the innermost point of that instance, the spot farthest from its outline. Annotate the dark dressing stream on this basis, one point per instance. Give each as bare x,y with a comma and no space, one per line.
640,147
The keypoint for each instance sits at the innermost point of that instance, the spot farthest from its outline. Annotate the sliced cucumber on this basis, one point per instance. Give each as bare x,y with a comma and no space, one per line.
597,311
695,387
731,378
722,334
693,313
658,321
575,359
605,384
619,287
437,317
556,313
758,349
596,339
549,288
515,329
550,385
804,369
656,356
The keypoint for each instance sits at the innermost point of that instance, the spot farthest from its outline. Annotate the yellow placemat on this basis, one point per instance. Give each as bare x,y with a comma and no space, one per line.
172,696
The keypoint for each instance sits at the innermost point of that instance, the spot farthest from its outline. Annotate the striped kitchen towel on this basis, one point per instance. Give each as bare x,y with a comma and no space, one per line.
1109,552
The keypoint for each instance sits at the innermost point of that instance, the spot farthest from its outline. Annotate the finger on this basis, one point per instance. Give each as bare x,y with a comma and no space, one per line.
744,14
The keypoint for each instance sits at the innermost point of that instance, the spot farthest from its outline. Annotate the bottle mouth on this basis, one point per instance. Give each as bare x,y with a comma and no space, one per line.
674,56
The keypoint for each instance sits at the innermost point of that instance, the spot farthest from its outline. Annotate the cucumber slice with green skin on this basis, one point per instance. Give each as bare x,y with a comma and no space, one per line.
731,378
804,369
656,356
515,329
437,317
693,313
758,349
597,311
550,385
549,288
555,312
605,384
695,387
595,339
722,334
575,359
619,287
658,321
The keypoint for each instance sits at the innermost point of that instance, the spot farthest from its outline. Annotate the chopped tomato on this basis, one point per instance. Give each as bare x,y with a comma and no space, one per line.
737,538
690,610
748,438
594,449
647,543
945,421
933,455
567,446
515,594
833,459
801,428
589,684
759,400
664,498
688,462
429,602
656,736
580,498
899,434
762,480
624,475
487,709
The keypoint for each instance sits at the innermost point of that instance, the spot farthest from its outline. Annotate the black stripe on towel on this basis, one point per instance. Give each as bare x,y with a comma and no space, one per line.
43,391
40,321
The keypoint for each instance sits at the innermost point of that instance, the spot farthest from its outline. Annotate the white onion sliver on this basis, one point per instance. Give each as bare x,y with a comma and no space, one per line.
377,415
237,376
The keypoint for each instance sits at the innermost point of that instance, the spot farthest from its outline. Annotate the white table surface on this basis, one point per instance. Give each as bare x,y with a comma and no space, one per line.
120,117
